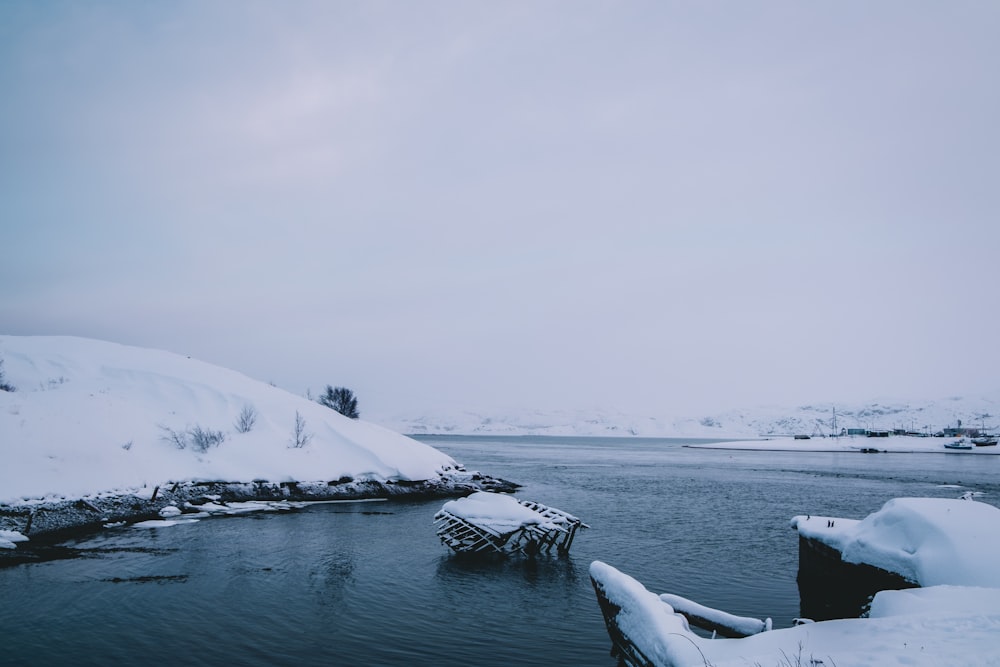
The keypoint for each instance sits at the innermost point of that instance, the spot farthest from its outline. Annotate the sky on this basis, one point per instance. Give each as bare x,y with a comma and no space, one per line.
655,207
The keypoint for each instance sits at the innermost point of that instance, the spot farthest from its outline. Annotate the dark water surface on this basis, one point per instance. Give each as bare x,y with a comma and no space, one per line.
370,584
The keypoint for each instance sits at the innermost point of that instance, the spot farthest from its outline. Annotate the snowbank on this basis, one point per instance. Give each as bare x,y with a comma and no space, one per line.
91,417
10,538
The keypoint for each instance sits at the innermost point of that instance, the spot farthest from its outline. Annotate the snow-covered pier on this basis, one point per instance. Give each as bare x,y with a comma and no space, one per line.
488,523
949,549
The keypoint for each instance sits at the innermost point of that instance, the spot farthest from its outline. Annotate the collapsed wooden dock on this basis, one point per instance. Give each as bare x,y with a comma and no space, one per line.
491,523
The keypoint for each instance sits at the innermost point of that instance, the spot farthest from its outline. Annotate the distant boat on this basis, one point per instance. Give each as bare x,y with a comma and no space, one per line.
961,443
985,441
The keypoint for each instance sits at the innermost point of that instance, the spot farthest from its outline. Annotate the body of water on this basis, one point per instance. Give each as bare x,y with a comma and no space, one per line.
369,583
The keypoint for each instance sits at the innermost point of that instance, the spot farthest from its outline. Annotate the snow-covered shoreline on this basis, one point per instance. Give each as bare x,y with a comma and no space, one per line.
51,519
96,432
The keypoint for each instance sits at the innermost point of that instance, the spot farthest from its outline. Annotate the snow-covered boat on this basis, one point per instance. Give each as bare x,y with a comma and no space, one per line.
487,523
985,441
946,550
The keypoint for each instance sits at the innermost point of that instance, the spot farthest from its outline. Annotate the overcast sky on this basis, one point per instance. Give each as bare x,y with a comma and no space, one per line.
660,207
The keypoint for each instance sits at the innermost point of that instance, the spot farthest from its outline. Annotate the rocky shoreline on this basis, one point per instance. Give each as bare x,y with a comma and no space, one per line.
47,522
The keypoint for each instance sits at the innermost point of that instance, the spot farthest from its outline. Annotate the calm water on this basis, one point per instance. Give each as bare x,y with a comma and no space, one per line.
369,583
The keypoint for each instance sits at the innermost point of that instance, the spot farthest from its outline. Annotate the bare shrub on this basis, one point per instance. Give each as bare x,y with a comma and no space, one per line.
176,438
52,383
246,420
203,439
197,438
4,385
299,436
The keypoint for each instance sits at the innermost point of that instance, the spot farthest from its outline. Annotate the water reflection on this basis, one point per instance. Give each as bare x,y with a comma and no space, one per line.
460,571
332,577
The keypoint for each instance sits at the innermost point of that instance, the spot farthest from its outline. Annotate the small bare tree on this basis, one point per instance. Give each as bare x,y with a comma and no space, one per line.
299,436
246,420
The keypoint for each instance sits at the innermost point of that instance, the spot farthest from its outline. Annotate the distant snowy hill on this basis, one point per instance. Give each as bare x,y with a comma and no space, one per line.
92,417
813,419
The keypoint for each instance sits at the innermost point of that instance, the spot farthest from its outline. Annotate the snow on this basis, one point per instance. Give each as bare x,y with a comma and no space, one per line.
163,523
925,416
91,417
951,547
969,599
10,538
493,511
193,512
927,627
929,541
742,624
648,621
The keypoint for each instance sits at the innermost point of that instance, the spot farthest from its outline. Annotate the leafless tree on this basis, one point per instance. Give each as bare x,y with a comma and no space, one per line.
299,436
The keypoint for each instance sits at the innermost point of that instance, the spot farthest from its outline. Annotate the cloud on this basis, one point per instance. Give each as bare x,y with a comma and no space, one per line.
677,205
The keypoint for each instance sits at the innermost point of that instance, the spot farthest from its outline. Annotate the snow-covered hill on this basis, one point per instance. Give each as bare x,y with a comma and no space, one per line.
93,417
922,416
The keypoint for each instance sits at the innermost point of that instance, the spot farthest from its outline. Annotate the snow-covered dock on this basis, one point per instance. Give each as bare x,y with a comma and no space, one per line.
487,523
951,547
